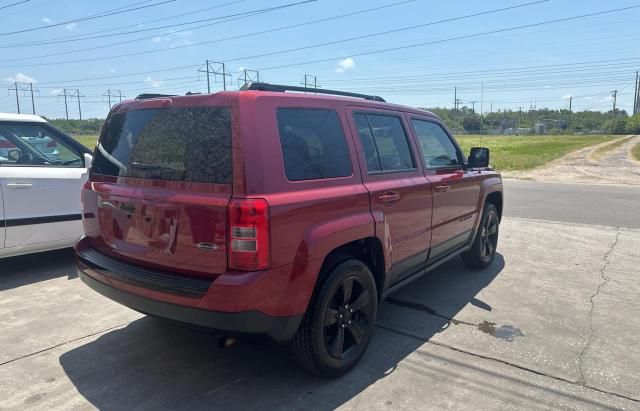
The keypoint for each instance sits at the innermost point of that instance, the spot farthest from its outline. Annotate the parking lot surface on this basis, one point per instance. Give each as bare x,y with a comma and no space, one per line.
553,323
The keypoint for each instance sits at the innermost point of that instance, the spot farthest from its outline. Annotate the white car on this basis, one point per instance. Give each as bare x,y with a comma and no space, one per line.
39,187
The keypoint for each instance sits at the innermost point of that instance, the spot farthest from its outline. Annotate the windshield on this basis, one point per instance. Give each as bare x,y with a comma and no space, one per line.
178,144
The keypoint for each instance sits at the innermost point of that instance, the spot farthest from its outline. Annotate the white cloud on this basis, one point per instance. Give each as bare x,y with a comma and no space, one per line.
70,26
21,78
344,65
153,83
566,96
56,91
156,39
112,70
241,68
47,20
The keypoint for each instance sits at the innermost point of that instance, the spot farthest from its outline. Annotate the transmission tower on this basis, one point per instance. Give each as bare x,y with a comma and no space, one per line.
24,89
217,69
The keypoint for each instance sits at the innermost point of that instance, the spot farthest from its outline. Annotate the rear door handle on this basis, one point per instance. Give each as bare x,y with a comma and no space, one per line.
17,186
443,188
389,197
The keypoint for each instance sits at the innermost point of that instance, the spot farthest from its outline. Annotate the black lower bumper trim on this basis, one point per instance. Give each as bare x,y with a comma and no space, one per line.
280,329
137,275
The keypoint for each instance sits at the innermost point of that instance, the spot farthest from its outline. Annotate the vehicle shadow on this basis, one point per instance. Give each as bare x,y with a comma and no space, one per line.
150,364
33,268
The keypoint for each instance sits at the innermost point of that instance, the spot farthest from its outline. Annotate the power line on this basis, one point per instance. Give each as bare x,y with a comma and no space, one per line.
426,43
13,4
298,48
91,17
79,37
230,17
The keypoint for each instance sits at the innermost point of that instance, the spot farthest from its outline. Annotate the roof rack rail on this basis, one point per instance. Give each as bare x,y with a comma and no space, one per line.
145,96
283,88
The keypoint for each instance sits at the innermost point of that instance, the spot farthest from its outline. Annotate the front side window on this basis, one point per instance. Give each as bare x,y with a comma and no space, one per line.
177,144
384,142
313,144
437,148
35,145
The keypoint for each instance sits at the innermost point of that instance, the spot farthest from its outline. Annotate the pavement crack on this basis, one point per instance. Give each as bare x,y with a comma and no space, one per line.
61,344
605,280
424,308
505,362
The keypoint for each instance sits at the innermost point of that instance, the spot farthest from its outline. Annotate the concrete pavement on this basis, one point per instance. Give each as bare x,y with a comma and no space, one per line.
551,324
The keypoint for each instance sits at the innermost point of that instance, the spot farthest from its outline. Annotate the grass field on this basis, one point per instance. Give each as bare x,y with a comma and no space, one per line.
635,152
510,153
89,140
601,151
507,152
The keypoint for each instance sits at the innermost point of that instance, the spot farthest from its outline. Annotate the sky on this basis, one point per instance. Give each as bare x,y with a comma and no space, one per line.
501,54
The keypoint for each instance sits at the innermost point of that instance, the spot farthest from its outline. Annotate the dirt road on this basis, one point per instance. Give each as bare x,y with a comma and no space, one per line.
614,167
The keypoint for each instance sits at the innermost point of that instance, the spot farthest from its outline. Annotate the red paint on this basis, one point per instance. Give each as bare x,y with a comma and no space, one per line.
301,222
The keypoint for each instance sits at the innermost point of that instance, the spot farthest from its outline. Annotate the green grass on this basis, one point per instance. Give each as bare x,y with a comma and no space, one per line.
510,153
88,140
635,152
601,151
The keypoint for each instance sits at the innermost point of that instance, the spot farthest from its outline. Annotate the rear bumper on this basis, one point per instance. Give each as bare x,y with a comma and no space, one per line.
279,329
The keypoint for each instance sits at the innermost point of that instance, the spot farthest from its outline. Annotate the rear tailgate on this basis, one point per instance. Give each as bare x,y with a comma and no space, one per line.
160,186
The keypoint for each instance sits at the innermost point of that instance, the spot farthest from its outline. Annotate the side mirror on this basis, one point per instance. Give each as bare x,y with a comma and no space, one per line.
88,160
14,154
479,157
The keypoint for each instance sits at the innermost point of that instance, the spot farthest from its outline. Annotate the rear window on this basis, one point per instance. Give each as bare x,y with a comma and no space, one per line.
313,144
178,144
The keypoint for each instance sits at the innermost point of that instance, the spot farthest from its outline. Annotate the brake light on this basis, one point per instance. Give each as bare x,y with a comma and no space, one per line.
249,234
52,143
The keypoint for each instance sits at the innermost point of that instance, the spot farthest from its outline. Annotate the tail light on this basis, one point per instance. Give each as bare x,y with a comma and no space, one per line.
249,234
52,143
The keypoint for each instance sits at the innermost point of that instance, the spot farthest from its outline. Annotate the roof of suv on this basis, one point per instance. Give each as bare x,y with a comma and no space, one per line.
27,118
146,102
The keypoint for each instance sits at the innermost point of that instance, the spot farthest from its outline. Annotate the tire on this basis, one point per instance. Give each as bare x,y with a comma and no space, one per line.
339,322
483,248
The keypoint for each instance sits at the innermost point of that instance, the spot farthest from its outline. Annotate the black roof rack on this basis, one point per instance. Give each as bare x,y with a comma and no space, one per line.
152,95
279,87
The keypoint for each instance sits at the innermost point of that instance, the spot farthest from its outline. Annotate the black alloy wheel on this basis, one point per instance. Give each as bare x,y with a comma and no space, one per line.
340,319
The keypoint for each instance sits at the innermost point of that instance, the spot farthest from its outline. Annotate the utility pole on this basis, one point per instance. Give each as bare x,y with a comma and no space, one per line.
636,95
481,96
24,88
33,104
570,102
249,76
613,114
217,69
308,83
15,85
113,93
455,98
66,107
473,106
79,109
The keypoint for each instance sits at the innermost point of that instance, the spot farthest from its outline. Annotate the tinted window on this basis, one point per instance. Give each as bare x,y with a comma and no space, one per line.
437,148
313,144
179,144
384,142
35,145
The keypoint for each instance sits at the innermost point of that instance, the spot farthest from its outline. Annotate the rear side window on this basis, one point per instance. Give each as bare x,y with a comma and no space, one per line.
437,148
313,144
177,144
385,143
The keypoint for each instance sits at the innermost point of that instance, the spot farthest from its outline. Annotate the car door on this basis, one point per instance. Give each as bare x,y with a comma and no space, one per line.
455,189
41,190
400,195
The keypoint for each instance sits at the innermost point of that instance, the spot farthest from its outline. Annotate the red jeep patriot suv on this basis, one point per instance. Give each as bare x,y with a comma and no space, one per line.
290,215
